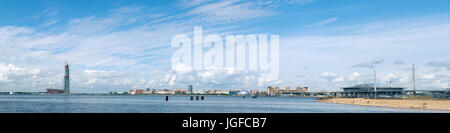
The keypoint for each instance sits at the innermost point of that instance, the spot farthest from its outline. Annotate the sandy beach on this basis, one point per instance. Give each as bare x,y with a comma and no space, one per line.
395,103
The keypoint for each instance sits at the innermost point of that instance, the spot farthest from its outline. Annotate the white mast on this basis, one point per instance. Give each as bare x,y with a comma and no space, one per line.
375,81
414,79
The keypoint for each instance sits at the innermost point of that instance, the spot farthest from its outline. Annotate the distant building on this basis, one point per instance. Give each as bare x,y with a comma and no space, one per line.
243,93
140,91
258,93
275,91
148,91
164,91
190,89
180,91
131,92
55,91
269,90
287,88
216,92
233,92
302,89
137,92
272,91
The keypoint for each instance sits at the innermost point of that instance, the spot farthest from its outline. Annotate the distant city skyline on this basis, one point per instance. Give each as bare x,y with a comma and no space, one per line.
120,45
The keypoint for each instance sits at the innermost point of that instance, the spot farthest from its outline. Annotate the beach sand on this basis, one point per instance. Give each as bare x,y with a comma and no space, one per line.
395,103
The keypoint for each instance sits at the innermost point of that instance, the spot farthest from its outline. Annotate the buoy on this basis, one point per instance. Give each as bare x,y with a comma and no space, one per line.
192,98
203,98
243,97
196,98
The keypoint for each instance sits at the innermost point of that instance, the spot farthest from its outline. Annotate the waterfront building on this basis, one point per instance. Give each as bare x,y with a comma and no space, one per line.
302,89
180,91
275,91
258,92
136,92
190,89
199,92
269,90
148,91
164,91
139,91
55,91
287,88
233,92
216,92
272,91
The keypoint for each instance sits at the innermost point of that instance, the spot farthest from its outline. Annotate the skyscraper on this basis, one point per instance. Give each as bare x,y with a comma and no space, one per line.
66,79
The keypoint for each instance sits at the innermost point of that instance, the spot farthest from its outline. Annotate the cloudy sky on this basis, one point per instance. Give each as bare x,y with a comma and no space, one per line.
121,45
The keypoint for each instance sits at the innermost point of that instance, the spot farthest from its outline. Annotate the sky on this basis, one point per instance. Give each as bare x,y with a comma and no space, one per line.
323,44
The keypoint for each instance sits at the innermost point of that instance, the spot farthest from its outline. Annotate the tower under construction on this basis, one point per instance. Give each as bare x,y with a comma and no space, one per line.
66,79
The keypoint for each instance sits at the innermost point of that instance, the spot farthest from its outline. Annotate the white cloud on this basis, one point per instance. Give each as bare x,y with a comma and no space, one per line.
354,76
299,1
440,64
324,22
339,79
370,64
330,76
13,76
399,62
440,84
228,11
428,76
404,79
389,77
191,3
217,78
182,68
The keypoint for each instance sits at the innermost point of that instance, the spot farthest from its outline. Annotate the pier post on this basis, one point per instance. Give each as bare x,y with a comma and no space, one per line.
203,98
196,98
192,98
167,98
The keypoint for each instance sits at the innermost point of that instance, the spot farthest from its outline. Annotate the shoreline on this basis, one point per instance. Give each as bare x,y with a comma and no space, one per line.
419,104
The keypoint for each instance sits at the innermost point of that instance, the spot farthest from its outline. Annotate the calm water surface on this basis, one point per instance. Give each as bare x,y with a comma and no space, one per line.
178,104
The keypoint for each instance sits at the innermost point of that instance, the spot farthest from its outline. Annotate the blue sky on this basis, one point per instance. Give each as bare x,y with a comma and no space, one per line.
119,45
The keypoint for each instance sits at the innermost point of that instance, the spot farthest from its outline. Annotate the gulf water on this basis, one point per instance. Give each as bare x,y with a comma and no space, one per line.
179,104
